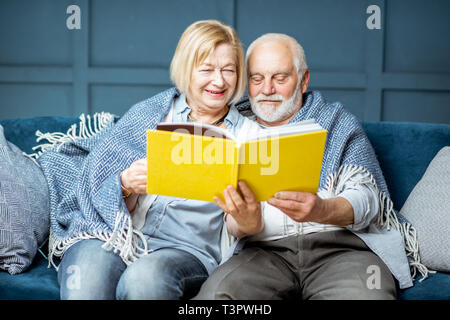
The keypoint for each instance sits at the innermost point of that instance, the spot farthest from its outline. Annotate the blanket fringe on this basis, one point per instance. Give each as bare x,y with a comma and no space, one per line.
88,127
386,218
124,239
32,158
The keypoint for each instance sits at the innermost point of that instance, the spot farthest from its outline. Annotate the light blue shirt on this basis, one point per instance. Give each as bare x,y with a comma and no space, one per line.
233,121
191,225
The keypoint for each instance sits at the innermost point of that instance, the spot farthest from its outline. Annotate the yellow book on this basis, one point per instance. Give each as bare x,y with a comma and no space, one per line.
198,161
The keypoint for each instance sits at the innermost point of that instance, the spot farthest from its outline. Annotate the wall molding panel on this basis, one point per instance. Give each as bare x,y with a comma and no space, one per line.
121,54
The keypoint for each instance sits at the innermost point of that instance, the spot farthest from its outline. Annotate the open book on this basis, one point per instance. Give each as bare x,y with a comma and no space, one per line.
198,161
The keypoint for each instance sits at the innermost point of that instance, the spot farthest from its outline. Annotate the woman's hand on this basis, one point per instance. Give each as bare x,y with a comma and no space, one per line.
134,178
245,213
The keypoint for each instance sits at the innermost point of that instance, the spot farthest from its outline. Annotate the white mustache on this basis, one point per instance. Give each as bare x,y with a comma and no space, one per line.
274,97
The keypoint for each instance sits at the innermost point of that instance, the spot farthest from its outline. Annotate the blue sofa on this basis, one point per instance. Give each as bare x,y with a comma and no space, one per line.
403,149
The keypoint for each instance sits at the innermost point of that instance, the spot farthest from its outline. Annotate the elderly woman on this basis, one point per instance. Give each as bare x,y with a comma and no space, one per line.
157,247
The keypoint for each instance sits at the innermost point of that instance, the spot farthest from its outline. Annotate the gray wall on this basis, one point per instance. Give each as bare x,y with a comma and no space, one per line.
122,53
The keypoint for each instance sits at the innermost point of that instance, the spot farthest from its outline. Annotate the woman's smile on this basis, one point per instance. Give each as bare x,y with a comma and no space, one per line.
216,93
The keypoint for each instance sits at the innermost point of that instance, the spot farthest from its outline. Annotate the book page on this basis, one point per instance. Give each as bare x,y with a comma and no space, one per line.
196,128
289,129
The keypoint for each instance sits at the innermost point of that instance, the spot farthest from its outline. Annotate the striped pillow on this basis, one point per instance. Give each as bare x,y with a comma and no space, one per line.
24,208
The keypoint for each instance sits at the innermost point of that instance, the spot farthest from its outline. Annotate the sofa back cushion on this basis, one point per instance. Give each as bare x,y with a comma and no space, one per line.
404,151
22,131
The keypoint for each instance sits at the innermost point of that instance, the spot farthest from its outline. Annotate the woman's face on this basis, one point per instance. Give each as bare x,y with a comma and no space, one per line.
213,82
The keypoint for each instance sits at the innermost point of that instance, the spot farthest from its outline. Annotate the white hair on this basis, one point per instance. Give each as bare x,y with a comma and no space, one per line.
296,49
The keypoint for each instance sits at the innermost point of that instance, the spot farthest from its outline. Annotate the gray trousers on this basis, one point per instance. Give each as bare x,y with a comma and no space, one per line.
324,265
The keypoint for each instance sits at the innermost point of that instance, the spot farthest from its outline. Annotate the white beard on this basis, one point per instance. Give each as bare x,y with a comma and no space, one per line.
271,113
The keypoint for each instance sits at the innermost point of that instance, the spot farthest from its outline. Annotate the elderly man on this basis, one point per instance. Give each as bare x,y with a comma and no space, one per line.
341,243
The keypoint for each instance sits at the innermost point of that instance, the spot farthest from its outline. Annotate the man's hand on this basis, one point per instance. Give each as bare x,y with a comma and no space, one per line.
134,178
245,213
308,207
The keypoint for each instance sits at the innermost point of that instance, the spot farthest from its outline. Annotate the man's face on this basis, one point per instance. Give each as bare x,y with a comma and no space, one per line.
274,85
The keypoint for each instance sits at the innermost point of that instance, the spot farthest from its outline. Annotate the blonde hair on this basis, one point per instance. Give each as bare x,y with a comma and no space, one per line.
198,41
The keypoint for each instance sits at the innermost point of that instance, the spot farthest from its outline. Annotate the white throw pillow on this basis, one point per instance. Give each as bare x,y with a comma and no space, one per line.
428,210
